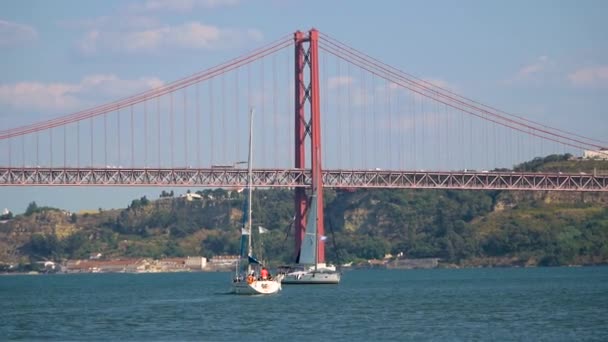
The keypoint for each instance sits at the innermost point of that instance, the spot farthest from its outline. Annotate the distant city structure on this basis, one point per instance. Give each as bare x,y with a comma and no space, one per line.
192,197
601,154
141,265
6,215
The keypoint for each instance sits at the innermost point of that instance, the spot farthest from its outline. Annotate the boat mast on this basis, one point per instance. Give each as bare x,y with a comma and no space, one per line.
250,186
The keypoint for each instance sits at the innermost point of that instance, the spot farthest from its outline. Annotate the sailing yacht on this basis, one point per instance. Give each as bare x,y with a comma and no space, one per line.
246,280
308,269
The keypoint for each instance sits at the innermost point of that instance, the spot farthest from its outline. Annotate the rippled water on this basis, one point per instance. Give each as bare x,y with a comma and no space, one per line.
539,304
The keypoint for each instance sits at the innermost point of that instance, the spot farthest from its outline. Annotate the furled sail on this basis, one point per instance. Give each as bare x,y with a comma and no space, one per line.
308,248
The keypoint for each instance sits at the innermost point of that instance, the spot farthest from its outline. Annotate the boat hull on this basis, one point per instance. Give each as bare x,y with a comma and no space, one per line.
258,287
311,278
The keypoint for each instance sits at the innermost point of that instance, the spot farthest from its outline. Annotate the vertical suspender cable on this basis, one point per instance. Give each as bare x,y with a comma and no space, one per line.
390,124
211,128
237,115
91,135
339,121
263,112
275,132
171,124
448,140
38,149
78,144
23,151
198,126
364,146
105,139
146,133
118,133
223,118
375,122
323,70
65,143
10,157
415,111
290,107
185,128
349,118
51,145
132,140
159,164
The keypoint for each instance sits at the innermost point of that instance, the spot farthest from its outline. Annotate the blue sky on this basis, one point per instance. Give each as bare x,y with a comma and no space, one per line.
544,60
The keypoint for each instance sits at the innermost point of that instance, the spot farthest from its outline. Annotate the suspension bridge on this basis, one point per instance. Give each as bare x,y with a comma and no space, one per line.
364,124
382,128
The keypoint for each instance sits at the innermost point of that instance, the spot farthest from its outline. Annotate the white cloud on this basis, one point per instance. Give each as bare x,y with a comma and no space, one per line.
541,64
91,90
183,5
531,72
192,35
118,22
339,81
589,76
13,33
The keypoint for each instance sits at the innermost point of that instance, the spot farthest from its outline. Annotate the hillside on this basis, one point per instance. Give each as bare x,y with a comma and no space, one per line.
467,228
565,163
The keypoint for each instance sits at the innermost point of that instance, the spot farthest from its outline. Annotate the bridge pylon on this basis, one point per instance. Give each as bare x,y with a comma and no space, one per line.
308,124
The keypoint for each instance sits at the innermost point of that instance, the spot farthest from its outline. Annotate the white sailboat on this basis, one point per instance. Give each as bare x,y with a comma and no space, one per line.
308,269
248,281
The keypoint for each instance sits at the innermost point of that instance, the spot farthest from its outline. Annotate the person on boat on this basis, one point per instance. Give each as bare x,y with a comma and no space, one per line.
264,273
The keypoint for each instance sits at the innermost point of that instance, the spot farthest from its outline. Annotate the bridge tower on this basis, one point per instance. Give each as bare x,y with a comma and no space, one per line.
307,101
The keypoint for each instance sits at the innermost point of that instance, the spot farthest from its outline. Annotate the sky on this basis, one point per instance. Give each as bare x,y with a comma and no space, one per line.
544,60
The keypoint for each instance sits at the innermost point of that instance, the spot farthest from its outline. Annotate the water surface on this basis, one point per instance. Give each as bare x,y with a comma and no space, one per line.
533,304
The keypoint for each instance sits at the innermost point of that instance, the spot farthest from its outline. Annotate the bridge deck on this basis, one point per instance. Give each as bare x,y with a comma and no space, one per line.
235,177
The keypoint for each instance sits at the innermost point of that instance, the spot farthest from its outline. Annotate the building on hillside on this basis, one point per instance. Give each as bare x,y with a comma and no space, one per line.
223,262
95,256
6,215
190,196
171,265
601,154
196,263
110,266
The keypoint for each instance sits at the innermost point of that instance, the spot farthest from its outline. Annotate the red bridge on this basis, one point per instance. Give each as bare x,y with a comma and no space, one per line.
382,128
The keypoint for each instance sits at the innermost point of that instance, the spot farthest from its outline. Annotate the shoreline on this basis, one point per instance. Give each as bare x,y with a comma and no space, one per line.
345,269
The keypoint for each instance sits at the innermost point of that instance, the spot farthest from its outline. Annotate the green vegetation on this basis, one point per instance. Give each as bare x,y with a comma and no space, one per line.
565,163
468,228
33,208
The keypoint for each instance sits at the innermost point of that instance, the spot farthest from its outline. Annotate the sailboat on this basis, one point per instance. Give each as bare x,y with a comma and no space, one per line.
308,269
246,280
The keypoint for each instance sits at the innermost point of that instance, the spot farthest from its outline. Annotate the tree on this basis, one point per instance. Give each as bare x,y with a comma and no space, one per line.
44,246
31,208
172,249
164,194
221,243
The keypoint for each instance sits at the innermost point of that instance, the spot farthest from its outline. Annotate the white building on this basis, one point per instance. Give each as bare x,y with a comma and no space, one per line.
192,196
600,154
196,263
